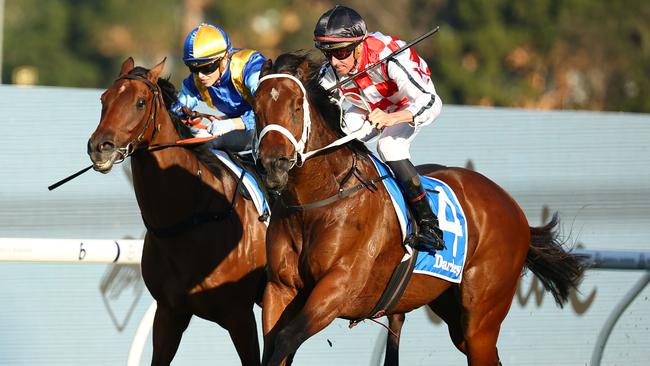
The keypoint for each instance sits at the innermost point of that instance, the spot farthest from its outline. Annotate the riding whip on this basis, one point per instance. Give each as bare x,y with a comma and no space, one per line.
397,51
65,180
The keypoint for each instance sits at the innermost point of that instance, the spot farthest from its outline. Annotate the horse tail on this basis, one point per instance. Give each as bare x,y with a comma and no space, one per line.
558,269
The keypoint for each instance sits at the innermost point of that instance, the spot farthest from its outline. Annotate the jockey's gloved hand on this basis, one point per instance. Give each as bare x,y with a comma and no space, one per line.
189,117
194,121
200,131
221,127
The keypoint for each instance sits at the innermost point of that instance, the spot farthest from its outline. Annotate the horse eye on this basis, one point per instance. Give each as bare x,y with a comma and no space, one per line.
140,103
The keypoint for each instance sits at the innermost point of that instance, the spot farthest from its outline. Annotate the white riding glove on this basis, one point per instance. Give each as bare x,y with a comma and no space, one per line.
199,132
221,127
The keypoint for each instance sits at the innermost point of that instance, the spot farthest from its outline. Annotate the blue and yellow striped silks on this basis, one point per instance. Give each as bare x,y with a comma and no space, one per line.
238,62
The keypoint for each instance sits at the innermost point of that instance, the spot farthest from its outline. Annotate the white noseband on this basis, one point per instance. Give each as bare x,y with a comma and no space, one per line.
299,146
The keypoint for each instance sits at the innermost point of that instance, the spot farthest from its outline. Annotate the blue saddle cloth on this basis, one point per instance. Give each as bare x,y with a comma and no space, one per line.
448,263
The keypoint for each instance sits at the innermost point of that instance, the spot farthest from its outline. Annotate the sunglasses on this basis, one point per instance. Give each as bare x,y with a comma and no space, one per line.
205,69
339,53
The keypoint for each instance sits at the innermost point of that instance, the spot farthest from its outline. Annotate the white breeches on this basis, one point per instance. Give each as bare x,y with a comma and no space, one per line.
394,142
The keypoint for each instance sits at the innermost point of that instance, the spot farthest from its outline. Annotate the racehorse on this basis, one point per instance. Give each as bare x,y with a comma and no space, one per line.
331,254
204,249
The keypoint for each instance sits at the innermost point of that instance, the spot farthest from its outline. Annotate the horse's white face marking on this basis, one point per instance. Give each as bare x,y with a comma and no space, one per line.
121,89
275,94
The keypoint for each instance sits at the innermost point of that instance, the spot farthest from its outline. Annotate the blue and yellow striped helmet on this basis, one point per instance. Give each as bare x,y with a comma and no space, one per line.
204,44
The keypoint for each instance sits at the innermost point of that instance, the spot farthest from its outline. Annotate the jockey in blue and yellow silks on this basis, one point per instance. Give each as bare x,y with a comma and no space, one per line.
225,78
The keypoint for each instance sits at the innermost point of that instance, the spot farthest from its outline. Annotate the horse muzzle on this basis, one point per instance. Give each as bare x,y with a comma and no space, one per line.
276,172
103,155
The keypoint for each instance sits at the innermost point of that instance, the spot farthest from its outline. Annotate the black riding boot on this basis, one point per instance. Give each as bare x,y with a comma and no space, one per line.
428,237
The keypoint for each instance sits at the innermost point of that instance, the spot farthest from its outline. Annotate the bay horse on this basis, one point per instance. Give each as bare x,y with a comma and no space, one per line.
204,251
332,257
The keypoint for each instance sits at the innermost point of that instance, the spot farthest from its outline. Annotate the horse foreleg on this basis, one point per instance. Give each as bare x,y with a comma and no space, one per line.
321,308
278,308
243,331
395,323
168,327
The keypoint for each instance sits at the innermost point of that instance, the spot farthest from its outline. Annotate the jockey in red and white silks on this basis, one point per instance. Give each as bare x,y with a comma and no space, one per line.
393,100
402,83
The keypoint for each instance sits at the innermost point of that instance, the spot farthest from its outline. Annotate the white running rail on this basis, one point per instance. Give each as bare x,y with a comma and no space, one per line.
70,250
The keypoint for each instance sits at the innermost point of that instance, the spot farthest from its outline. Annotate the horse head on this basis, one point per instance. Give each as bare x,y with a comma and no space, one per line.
128,118
283,122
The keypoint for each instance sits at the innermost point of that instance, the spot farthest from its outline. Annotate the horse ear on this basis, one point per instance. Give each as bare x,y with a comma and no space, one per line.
154,73
127,66
302,72
266,67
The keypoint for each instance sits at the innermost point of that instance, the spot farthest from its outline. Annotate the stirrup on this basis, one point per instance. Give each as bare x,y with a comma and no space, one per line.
438,243
430,232
420,243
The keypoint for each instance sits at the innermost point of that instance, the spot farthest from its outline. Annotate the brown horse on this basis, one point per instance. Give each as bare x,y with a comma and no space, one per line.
204,248
331,257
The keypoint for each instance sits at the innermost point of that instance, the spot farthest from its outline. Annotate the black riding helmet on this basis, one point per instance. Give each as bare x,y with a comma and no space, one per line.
339,27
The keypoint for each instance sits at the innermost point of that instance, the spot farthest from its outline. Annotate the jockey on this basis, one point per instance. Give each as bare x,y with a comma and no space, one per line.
225,79
396,98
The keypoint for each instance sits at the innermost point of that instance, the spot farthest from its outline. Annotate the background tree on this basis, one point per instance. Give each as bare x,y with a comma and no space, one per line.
548,54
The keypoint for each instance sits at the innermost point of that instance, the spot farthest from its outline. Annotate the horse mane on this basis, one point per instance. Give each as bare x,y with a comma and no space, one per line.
321,99
170,96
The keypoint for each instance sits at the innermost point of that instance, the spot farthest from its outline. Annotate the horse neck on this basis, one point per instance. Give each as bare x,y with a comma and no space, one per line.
171,182
320,175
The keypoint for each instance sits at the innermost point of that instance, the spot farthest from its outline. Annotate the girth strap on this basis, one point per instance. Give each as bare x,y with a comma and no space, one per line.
393,291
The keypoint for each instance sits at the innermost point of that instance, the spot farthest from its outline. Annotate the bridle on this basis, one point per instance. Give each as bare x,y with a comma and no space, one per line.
299,155
134,144
299,146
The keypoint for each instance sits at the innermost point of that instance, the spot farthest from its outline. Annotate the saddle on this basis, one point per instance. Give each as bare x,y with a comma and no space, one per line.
447,264
246,162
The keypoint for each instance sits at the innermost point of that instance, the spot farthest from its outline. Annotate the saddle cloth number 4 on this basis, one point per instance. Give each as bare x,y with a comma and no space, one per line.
453,226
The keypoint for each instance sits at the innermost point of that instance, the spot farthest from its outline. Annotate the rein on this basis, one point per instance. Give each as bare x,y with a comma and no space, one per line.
134,145
365,183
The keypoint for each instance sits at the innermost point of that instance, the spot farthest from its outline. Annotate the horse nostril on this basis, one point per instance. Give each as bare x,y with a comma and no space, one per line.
105,146
282,163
